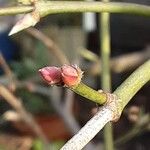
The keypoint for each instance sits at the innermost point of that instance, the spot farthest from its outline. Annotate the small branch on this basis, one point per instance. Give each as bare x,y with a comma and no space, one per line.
16,10
27,117
112,109
50,44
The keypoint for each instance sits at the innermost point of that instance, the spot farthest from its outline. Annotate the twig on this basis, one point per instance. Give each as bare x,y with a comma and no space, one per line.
27,117
112,109
49,43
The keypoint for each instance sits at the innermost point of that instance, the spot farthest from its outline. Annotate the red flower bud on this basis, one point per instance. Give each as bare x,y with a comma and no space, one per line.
71,75
51,75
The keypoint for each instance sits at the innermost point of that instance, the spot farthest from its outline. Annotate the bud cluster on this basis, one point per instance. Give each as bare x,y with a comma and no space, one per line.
67,75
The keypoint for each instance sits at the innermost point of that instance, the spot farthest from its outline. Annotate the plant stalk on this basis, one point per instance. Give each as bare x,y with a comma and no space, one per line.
55,7
106,75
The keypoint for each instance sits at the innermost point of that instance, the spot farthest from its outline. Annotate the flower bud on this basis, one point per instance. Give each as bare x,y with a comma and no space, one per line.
71,75
52,75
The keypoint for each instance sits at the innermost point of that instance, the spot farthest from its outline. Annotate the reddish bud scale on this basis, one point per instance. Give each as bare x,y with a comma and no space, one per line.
71,75
67,75
52,75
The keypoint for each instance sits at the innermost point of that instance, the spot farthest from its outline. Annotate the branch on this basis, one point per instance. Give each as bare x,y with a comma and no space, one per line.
112,109
53,7
43,8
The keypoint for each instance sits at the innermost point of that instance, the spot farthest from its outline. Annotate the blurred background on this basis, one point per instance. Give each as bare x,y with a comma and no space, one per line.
34,116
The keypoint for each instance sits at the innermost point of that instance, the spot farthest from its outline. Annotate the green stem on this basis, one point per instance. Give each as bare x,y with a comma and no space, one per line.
16,10
132,84
89,93
106,77
54,7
